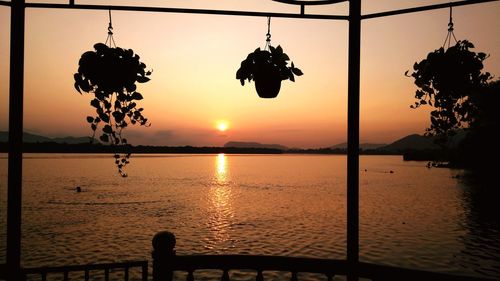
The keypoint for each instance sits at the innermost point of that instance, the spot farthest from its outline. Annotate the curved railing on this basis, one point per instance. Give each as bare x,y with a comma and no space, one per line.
259,264
166,262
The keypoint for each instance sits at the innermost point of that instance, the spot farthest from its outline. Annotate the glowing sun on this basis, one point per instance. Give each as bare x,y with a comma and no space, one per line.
222,126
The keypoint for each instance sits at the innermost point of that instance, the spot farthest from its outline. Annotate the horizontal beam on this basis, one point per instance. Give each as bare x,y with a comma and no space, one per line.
252,13
5,3
184,11
424,8
309,3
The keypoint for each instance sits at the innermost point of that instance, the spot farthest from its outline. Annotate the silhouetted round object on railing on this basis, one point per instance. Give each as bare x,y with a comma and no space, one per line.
164,241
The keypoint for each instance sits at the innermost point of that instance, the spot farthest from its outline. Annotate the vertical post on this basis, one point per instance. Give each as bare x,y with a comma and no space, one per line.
353,139
163,255
15,161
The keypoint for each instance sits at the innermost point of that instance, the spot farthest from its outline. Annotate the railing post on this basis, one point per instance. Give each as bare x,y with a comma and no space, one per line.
353,140
163,252
15,162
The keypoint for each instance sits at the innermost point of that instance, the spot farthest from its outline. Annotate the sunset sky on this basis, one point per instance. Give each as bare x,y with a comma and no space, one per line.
194,59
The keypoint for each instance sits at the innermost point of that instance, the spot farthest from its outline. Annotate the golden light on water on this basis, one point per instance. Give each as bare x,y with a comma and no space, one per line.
221,168
220,196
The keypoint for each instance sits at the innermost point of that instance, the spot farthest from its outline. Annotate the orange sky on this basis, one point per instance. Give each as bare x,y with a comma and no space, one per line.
195,57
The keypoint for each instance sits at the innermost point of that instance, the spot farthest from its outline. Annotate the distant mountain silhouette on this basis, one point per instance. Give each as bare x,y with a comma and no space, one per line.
240,144
32,138
411,142
363,146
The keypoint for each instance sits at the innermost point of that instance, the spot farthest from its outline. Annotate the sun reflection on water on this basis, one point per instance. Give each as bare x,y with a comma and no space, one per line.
222,209
221,163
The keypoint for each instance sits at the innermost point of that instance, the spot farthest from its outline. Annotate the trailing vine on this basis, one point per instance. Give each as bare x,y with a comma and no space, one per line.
111,75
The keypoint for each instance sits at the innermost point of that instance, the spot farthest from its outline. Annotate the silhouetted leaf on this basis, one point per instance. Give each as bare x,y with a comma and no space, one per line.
137,96
104,117
297,71
142,79
104,138
90,119
77,88
95,103
279,51
118,116
107,129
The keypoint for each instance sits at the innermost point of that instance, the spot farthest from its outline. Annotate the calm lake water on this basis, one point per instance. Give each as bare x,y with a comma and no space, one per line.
292,205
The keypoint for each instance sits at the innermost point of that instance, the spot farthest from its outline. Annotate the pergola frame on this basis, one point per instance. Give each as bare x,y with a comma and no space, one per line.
16,92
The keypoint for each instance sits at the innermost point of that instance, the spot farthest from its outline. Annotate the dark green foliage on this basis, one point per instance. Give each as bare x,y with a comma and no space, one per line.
464,97
480,147
452,82
262,61
111,75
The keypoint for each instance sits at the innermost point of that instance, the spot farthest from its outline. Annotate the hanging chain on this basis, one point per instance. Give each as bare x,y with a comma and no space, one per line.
268,35
110,38
450,34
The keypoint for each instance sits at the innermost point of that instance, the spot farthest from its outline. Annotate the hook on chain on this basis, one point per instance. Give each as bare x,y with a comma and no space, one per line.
450,34
110,26
268,35
450,24
110,38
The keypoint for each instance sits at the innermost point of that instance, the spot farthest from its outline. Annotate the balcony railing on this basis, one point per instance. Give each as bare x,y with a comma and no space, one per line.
106,268
166,262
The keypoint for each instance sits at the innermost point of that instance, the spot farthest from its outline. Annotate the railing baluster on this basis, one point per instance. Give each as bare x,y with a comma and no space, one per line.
225,276
65,274
44,276
87,274
145,271
126,273
190,276
294,277
330,277
259,277
106,274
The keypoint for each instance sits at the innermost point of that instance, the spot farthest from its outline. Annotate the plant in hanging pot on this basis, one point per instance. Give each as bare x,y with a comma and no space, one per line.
267,69
111,75
451,81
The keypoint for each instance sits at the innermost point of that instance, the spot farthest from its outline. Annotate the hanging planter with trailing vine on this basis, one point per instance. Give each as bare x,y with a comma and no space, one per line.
450,80
267,68
110,74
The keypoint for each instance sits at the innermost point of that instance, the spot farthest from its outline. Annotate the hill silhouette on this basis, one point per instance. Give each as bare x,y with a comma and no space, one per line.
363,146
416,144
411,142
32,138
239,144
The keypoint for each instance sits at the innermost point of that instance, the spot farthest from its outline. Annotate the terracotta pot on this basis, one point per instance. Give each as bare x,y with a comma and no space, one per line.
268,81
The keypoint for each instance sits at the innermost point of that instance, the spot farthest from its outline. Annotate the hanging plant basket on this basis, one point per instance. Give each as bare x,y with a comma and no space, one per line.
450,80
267,69
111,74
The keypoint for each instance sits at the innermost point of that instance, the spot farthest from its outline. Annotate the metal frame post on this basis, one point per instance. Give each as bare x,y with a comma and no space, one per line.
15,161
353,139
